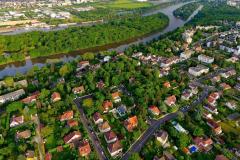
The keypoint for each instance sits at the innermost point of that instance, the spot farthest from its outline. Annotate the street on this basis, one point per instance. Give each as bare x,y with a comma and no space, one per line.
93,137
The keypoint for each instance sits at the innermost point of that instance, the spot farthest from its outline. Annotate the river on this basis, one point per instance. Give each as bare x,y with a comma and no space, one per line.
174,23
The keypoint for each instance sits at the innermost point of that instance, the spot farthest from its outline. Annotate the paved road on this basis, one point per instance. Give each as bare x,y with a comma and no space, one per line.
136,147
93,137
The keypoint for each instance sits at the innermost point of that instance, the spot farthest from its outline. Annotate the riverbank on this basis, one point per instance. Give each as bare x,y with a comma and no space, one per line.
174,23
40,44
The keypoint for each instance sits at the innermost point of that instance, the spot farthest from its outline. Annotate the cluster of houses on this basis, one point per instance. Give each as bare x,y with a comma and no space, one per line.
113,143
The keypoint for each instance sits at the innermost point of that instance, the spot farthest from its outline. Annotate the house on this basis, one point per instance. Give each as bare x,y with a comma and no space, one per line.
213,97
23,135
154,110
78,90
186,95
167,84
228,74
194,88
82,65
211,109
216,79
31,98
131,123
84,148
97,118
73,136
66,115
55,97
110,137
104,127
162,137
15,121
225,86
198,70
221,157
116,97
100,84
207,115
12,96
121,110
72,123
186,54
107,105
114,148
205,59
215,126
171,100
204,144
231,105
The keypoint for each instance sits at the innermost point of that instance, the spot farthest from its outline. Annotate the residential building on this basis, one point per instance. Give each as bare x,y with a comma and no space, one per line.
154,110
12,96
231,105
104,127
114,148
204,144
23,135
221,157
66,115
186,95
31,98
121,110
15,121
198,70
84,148
97,118
162,137
171,100
116,97
78,90
72,123
131,123
107,106
110,137
73,136
211,109
55,97
215,126
186,54
205,59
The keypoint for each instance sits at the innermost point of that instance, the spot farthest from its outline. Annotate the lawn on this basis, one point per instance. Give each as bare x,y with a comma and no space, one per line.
126,4
228,128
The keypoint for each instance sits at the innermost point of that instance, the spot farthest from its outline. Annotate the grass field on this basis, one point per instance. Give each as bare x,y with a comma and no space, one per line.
124,4
229,128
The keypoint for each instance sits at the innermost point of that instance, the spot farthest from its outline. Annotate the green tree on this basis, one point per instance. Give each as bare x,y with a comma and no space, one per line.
14,106
9,81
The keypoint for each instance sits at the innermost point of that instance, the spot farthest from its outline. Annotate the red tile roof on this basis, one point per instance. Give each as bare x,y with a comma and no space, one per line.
66,115
72,123
84,148
75,135
55,96
131,123
154,110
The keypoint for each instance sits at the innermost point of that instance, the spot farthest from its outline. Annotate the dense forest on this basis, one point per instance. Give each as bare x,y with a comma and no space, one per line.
38,44
185,11
215,13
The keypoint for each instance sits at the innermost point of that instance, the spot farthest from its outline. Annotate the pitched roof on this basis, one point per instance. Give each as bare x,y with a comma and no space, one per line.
131,123
112,147
167,84
55,96
84,148
97,116
110,135
107,105
79,89
72,123
75,135
104,125
115,95
66,115
171,100
24,134
154,110
31,98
